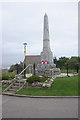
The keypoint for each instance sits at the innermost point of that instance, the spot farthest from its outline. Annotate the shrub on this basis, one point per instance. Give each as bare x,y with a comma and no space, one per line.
36,79
8,76
33,79
44,78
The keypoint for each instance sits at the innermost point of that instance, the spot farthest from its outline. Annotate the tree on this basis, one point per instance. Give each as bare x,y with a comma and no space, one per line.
17,67
72,63
63,61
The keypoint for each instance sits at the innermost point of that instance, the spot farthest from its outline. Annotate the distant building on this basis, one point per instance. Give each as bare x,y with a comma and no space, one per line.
4,71
31,59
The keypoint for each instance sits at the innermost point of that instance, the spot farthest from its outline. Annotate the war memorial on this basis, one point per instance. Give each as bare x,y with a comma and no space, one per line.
52,92
47,65
42,69
44,62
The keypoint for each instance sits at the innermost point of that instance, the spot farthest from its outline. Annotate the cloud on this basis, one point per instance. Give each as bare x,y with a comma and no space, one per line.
23,22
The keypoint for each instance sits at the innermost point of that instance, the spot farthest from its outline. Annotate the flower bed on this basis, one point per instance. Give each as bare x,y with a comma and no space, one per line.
39,81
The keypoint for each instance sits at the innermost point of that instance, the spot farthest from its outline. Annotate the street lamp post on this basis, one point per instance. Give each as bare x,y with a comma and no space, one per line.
25,59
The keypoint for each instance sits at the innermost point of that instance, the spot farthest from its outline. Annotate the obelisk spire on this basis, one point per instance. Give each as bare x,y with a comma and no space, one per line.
46,41
46,54
46,28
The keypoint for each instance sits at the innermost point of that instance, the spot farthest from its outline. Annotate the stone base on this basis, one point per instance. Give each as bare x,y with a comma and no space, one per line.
47,70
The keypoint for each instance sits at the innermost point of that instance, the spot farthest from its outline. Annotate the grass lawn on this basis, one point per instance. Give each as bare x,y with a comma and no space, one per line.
7,76
2,88
69,70
67,86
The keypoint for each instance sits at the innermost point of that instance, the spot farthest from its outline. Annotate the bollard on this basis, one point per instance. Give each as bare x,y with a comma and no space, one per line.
77,68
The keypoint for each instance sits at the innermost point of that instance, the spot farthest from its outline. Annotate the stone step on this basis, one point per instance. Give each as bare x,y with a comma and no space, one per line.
8,92
17,84
15,87
20,81
12,89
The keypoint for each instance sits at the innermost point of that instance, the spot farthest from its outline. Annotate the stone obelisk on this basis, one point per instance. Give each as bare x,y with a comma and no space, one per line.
46,66
46,54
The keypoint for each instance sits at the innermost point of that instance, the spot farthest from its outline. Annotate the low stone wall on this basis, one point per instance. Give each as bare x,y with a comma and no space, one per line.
39,84
6,82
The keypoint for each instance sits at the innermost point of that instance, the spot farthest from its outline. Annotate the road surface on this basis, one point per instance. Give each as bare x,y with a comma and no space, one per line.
21,107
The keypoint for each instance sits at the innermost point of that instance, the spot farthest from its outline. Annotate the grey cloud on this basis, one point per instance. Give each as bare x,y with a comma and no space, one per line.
23,22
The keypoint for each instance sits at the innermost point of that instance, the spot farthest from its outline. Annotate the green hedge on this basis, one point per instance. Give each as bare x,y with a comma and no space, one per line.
8,76
36,79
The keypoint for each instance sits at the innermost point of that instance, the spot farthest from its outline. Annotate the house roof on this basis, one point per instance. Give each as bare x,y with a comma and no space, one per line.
31,59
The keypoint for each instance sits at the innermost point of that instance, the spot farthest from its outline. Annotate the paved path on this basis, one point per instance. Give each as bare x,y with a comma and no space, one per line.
21,107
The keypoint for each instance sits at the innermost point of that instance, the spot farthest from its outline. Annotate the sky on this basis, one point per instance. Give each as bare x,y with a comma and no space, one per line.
23,22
